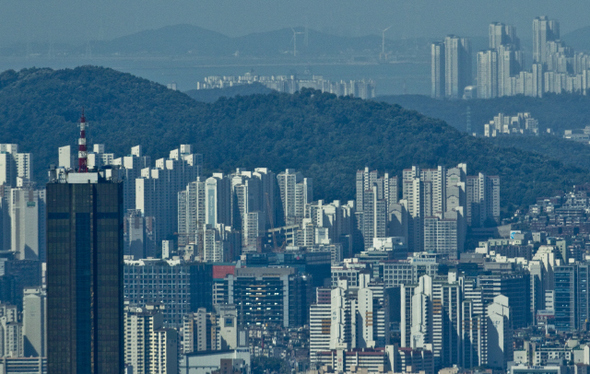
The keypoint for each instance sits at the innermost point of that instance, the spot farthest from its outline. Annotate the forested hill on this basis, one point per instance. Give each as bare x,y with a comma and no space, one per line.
325,137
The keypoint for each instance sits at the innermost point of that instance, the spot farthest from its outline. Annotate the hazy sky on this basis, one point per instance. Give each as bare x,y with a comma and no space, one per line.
81,20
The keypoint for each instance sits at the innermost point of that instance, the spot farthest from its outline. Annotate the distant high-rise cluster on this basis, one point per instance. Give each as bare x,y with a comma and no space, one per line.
501,71
502,124
497,65
451,67
364,89
161,269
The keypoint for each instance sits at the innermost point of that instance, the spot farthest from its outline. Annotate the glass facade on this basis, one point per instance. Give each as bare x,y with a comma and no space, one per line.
84,278
182,288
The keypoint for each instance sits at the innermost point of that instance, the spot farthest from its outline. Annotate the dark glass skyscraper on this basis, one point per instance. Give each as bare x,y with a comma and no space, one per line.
84,275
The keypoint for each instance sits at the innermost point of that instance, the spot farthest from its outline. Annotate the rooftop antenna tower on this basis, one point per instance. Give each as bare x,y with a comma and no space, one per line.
295,33
382,56
82,152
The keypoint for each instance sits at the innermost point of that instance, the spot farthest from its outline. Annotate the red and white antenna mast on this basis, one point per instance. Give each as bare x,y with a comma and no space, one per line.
82,151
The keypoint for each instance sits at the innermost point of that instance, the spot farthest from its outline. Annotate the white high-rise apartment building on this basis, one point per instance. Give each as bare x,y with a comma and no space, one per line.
65,159
376,197
421,324
342,333
140,327
248,199
351,318
457,65
156,190
14,164
487,74
433,310
218,200
164,352
337,218
217,243
320,320
483,199
544,30
191,211
437,65
439,196
498,67
441,236
11,334
210,331
149,348
268,191
132,165
374,215
24,166
296,192
25,222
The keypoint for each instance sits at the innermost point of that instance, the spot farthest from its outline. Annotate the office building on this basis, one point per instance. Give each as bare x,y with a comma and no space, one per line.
515,286
34,317
269,296
398,272
498,334
572,303
164,276
84,273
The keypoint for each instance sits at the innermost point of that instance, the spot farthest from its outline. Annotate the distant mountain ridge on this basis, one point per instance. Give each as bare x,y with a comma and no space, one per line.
190,40
168,40
578,39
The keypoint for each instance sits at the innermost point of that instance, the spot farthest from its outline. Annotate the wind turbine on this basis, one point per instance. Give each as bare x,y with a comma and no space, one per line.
382,56
295,33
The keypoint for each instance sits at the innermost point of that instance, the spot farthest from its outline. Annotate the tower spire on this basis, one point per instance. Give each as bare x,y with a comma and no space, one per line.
82,151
